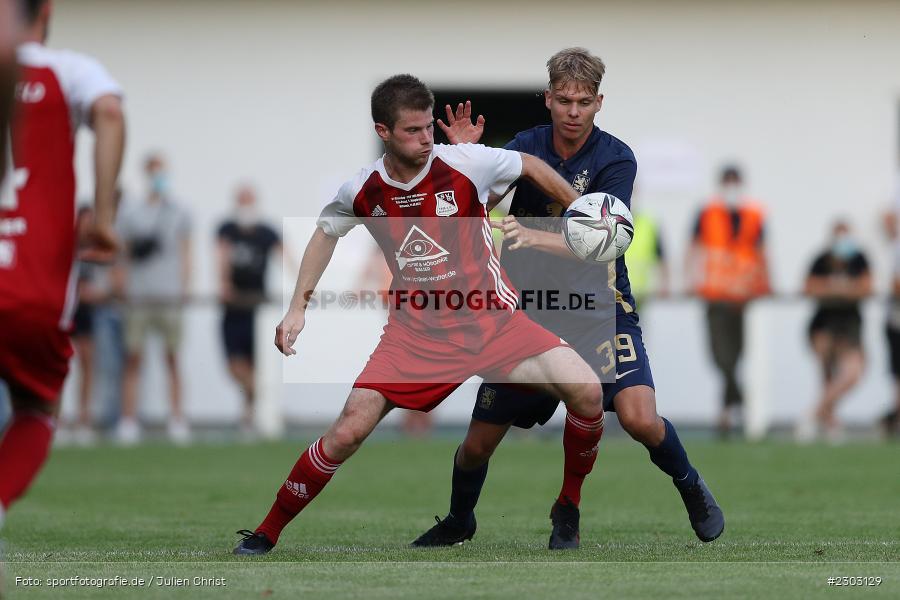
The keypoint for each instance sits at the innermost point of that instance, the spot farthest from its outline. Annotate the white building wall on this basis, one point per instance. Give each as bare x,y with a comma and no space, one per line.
805,95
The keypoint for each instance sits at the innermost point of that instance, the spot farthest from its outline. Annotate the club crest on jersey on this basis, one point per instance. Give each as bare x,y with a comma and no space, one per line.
418,247
581,181
446,204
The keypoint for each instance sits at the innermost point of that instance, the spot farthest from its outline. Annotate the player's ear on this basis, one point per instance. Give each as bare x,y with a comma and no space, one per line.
547,99
383,131
599,101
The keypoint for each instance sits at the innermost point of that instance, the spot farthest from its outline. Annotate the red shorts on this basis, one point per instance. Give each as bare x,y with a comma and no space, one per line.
34,355
407,367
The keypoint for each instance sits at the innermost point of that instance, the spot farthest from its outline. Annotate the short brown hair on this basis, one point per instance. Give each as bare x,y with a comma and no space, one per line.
398,92
31,9
577,65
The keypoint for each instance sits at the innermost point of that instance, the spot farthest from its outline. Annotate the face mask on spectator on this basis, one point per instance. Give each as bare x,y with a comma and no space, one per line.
731,193
159,183
843,247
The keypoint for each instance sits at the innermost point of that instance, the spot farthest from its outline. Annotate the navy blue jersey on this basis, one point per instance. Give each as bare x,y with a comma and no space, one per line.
603,164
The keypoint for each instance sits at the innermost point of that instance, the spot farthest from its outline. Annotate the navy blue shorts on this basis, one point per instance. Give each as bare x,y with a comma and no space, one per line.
238,332
501,404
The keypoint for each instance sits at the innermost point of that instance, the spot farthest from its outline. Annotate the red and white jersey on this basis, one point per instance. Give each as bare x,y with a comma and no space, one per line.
436,237
54,96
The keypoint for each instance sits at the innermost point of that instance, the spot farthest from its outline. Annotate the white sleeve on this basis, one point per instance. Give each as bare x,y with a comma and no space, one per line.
337,218
84,80
492,170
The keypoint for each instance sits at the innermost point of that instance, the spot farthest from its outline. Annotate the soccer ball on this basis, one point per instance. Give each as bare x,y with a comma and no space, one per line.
598,227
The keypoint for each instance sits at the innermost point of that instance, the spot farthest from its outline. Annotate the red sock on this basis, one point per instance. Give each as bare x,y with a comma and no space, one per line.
23,450
310,474
581,439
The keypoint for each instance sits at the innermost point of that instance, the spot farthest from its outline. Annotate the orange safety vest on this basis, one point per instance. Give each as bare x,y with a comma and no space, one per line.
734,266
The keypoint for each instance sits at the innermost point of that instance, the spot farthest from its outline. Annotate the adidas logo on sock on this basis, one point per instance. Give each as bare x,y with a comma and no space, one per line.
297,489
378,211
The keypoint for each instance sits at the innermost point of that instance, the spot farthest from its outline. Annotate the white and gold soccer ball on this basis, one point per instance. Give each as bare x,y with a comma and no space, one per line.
598,227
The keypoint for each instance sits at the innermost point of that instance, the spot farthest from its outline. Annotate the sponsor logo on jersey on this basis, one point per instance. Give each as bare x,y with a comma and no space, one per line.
13,227
445,204
30,92
419,248
486,400
297,489
378,211
581,181
409,201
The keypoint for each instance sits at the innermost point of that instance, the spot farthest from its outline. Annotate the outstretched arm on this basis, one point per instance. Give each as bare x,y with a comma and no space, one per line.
318,254
547,180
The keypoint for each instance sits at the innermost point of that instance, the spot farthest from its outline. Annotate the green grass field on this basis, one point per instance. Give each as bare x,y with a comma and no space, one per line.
795,516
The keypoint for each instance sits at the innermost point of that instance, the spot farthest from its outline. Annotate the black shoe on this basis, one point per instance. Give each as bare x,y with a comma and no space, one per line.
254,543
565,518
703,510
449,532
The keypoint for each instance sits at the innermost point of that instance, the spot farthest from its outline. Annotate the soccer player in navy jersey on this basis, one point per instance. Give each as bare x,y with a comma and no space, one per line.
592,161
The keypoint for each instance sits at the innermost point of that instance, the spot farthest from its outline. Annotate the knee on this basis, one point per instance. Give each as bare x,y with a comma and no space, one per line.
637,416
345,439
647,430
586,399
474,452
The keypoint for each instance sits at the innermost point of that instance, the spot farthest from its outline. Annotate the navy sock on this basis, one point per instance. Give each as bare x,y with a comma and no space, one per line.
466,489
672,460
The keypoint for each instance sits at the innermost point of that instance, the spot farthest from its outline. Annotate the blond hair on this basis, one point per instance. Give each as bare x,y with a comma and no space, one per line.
576,65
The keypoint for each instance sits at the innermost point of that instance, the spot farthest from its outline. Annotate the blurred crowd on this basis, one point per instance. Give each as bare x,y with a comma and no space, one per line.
727,269
144,294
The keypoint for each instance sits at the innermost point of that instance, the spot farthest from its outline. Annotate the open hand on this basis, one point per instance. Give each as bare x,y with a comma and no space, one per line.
459,127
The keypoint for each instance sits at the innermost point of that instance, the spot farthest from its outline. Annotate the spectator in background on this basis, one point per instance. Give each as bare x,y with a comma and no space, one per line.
157,273
245,244
645,258
83,335
727,266
838,280
97,337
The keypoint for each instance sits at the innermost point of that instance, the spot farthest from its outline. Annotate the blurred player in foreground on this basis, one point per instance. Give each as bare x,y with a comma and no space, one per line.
593,161
57,92
9,33
425,206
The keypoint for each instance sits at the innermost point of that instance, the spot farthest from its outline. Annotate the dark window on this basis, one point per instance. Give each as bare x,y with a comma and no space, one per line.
506,112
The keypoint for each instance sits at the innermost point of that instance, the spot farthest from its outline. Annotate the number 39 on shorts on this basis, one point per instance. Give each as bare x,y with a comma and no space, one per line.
624,352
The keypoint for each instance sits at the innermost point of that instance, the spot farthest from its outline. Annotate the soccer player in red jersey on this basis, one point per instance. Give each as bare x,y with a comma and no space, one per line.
57,91
425,205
